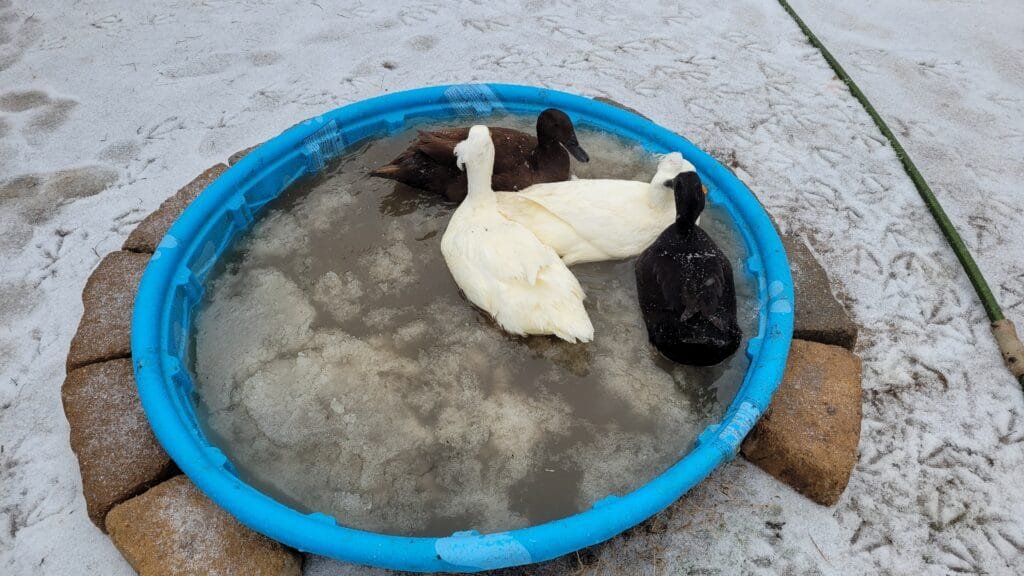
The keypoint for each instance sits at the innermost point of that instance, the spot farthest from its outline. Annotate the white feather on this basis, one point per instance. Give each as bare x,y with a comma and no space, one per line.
501,266
594,220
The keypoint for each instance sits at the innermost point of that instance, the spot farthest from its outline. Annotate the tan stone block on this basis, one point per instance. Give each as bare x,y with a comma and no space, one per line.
175,530
117,453
104,333
151,230
808,437
234,158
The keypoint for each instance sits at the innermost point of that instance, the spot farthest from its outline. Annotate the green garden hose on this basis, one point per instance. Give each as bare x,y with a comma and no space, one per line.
1002,329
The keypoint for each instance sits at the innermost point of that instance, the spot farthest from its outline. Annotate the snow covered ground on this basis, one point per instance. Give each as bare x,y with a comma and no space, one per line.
145,97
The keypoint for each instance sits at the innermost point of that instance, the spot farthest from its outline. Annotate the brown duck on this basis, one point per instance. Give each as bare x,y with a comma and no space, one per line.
520,159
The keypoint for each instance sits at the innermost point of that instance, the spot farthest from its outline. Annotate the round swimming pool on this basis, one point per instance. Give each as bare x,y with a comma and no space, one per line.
173,286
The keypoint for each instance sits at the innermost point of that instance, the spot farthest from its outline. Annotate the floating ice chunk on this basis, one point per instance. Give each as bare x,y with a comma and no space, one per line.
257,316
390,265
339,296
290,238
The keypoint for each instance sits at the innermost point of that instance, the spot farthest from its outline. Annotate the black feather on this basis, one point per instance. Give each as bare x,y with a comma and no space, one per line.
686,291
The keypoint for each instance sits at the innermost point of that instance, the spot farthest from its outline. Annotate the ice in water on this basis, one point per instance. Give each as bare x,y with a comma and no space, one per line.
342,372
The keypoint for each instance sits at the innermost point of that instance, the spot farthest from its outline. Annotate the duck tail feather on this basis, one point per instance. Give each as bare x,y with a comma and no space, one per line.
576,326
390,171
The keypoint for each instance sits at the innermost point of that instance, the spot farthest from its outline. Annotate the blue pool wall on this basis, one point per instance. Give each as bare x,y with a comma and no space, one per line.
174,282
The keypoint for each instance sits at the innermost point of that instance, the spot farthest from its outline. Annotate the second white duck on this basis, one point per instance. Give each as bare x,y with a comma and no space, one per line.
591,220
501,266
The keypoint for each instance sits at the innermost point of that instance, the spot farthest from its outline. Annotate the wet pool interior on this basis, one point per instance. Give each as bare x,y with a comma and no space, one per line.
340,369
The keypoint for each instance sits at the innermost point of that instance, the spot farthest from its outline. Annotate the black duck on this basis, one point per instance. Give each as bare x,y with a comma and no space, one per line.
685,286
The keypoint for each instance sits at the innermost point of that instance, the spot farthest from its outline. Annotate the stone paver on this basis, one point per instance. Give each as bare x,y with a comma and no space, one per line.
175,530
618,105
117,453
808,438
104,333
151,230
819,316
234,158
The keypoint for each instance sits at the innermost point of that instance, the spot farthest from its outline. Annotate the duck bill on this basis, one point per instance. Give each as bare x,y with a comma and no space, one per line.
577,152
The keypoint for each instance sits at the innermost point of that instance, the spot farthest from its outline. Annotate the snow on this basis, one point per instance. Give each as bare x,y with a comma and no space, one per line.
157,94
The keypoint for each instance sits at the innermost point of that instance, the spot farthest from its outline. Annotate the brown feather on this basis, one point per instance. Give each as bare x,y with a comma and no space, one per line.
429,162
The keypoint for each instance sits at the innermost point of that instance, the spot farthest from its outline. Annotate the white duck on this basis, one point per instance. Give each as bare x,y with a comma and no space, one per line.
594,220
501,266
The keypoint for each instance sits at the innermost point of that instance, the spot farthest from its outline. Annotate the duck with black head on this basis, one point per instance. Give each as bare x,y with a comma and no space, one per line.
685,286
521,160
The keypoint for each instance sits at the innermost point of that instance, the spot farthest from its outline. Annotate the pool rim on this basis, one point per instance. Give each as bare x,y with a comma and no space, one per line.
305,148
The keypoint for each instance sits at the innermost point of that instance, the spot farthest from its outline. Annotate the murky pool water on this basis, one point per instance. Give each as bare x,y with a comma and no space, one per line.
341,371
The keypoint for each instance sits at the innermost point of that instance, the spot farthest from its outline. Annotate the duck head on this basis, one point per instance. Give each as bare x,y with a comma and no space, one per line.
690,196
669,165
475,155
554,126
477,149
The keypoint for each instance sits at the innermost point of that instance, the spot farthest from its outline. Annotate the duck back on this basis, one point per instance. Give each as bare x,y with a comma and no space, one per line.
594,219
429,162
688,298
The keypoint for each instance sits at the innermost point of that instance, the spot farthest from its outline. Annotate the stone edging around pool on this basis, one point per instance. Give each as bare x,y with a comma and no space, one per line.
808,438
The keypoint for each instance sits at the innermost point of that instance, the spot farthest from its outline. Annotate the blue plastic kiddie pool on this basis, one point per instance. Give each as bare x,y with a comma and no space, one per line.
173,285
